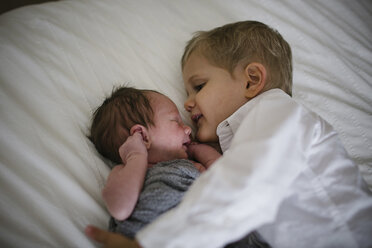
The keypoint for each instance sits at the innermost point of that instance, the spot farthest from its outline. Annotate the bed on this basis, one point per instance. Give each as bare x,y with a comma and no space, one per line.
59,60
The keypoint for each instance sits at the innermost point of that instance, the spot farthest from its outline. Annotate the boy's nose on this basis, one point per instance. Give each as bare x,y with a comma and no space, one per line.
189,104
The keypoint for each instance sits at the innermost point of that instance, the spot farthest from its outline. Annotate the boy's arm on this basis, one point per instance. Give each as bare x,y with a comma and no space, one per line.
125,182
242,190
203,153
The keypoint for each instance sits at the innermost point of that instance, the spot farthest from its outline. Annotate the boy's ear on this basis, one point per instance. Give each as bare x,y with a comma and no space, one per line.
256,79
144,132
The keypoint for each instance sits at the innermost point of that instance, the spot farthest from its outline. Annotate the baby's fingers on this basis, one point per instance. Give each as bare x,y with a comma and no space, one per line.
199,166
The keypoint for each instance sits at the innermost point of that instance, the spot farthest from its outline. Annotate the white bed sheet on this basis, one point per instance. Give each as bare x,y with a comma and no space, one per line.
60,59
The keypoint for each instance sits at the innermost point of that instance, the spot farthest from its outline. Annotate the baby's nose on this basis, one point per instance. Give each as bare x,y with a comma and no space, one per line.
187,130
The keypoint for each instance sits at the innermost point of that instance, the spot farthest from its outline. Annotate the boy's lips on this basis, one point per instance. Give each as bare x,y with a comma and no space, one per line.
195,118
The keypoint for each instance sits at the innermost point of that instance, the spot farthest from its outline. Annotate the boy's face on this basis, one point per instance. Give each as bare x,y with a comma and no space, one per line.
213,94
169,136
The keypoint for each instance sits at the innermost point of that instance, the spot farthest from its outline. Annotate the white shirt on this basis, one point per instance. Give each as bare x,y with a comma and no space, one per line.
284,173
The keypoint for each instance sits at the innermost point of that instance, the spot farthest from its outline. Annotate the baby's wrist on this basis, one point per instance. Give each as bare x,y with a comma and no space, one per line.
136,156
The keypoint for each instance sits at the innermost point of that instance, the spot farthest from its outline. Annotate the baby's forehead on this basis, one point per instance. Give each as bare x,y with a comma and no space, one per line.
156,97
160,101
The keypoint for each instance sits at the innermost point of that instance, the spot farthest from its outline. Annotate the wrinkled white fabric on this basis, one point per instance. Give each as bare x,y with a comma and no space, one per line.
284,173
59,60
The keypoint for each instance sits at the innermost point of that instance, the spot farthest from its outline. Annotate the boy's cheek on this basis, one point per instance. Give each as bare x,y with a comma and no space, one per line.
206,136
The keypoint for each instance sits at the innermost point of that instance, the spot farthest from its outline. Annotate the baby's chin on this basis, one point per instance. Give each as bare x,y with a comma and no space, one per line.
184,155
170,155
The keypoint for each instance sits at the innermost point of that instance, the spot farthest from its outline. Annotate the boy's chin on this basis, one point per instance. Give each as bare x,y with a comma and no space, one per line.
204,137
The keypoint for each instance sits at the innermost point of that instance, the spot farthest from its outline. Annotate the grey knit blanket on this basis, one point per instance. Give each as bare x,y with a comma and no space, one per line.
164,186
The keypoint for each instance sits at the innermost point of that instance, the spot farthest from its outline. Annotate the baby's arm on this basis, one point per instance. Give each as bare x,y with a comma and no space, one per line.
125,182
203,153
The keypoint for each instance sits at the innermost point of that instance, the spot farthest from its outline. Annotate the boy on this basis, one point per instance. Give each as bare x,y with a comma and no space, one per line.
283,169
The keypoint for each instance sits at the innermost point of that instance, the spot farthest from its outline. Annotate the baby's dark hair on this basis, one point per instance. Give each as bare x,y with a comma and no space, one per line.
113,120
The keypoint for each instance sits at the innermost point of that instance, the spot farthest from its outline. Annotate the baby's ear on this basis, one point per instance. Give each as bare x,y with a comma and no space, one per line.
256,79
144,132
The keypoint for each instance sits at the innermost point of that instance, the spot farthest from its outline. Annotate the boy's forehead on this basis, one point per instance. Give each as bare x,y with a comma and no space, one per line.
194,66
195,57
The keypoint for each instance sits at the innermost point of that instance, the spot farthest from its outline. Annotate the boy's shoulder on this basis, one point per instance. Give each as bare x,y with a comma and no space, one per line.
276,102
273,103
274,112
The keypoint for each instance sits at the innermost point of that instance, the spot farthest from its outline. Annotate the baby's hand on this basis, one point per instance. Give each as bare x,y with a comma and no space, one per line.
199,166
203,153
133,146
195,150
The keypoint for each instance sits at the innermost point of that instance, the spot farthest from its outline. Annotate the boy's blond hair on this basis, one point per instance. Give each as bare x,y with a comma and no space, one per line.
243,43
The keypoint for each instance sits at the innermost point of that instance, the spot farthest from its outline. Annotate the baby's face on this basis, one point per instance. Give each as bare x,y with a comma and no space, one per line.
213,94
169,136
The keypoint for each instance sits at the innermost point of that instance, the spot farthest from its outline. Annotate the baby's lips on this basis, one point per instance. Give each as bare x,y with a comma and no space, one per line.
187,143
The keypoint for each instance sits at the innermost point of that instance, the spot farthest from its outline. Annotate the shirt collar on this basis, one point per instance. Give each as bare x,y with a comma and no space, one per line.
227,128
